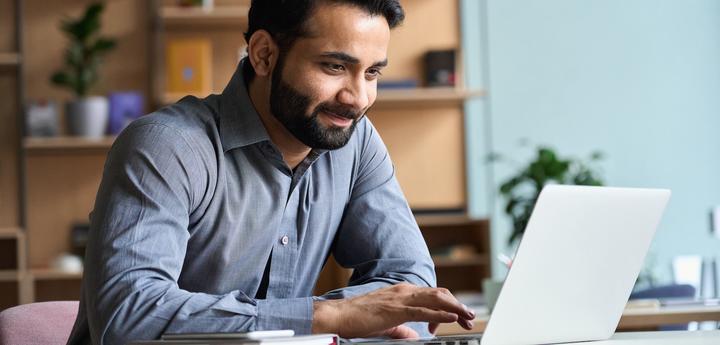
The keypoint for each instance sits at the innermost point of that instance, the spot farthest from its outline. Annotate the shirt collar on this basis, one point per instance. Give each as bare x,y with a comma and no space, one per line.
240,123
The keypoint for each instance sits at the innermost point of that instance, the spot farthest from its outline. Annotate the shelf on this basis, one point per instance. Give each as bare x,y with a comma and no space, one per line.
52,274
9,233
9,275
404,98
220,15
9,59
449,262
67,143
425,96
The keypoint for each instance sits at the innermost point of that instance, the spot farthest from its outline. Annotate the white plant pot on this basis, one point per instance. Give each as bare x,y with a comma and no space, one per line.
88,116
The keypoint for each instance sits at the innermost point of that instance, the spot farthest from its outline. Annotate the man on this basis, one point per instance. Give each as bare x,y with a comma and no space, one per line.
217,215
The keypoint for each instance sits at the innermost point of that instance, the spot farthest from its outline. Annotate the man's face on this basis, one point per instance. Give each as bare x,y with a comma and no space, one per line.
325,83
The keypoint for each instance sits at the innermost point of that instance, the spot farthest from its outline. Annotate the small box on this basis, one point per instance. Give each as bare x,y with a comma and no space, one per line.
440,68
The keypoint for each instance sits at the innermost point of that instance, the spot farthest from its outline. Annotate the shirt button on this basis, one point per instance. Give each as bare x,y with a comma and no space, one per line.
284,240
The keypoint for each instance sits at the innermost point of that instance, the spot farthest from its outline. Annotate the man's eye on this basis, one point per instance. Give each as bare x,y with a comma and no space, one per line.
373,73
334,67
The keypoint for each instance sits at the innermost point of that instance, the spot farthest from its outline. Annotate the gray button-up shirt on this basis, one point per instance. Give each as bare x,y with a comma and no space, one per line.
196,204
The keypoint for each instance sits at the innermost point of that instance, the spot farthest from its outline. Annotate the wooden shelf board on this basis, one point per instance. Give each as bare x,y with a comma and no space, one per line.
424,96
6,233
449,262
52,274
9,275
9,59
404,97
219,15
67,143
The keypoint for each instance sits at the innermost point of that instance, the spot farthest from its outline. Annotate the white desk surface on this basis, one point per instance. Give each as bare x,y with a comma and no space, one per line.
635,318
661,338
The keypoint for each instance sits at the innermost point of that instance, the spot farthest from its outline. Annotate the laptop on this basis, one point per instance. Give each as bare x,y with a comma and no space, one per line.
576,265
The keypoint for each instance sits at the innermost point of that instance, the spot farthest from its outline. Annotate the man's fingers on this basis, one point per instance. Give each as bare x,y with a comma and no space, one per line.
467,324
429,315
402,332
440,299
433,326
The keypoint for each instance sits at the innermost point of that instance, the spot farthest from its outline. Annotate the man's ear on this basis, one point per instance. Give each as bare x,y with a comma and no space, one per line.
263,53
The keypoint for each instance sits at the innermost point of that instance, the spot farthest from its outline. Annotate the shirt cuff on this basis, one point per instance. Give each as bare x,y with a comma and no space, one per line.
291,313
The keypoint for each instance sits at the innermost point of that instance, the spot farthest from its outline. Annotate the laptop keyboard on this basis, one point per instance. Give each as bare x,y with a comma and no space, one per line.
445,340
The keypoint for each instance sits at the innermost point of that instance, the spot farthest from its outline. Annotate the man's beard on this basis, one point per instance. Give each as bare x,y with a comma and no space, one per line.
289,106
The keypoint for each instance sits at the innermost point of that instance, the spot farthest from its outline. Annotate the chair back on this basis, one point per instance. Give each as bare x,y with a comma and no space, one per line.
47,323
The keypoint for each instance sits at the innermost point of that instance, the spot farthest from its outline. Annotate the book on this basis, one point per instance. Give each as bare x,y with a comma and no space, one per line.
189,66
240,338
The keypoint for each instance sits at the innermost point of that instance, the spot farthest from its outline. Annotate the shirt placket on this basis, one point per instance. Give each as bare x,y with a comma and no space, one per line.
285,249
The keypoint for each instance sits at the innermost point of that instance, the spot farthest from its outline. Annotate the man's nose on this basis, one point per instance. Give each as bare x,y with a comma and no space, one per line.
355,94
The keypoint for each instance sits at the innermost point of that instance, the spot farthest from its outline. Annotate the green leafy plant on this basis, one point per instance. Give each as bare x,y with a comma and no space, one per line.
84,52
522,190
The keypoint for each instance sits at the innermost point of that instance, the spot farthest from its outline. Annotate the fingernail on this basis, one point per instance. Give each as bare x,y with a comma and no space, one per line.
470,312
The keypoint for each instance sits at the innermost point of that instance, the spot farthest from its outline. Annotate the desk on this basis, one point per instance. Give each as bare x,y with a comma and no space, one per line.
661,338
632,319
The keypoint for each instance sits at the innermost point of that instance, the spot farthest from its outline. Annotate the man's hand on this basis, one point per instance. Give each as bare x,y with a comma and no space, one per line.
383,312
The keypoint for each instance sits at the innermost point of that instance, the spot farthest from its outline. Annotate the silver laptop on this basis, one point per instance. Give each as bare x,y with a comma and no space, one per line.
575,267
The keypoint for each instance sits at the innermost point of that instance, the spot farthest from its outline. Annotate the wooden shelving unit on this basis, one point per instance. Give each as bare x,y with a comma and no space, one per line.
424,96
38,274
67,143
10,233
9,275
441,262
217,16
9,59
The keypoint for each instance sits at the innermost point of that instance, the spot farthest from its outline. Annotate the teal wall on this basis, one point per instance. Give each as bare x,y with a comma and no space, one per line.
638,80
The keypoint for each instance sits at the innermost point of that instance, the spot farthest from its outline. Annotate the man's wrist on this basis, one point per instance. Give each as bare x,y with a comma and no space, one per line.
325,316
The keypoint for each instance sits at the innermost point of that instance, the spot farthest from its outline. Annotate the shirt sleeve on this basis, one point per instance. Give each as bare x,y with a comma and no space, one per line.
137,245
379,238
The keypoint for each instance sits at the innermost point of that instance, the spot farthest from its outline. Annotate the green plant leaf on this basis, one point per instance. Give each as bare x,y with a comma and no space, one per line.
61,79
103,45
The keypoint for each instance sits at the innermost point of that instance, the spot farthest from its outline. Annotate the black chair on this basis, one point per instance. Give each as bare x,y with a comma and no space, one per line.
667,291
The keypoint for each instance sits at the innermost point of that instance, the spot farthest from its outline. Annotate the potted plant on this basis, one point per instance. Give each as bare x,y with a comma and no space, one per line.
86,115
522,190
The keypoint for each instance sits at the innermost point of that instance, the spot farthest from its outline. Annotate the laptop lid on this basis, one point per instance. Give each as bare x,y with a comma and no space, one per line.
576,265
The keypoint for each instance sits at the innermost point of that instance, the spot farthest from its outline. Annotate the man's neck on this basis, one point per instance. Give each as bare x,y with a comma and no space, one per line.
292,149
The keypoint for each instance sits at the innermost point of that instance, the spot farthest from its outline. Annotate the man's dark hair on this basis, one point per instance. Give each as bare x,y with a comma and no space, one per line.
285,19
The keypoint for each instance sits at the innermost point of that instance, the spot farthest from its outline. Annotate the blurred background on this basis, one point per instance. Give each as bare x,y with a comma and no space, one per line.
483,103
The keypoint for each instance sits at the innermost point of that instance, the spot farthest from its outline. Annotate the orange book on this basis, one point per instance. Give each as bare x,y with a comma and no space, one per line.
189,66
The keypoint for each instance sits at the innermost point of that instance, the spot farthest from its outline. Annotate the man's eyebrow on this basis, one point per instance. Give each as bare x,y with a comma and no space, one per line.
347,58
344,57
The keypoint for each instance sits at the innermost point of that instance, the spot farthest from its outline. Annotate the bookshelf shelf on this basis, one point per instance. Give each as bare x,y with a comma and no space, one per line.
9,59
426,96
52,274
9,275
10,233
219,15
400,98
441,262
67,143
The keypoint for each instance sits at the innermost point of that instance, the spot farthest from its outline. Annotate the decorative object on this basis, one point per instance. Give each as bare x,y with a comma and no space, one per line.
189,66
522,190
67,263
87,116
440,68
41,119
124,108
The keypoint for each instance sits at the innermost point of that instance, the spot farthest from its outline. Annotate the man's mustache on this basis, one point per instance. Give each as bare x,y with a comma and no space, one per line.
341,111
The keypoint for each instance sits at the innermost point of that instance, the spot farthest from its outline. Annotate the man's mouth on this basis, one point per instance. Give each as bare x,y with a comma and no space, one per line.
338,120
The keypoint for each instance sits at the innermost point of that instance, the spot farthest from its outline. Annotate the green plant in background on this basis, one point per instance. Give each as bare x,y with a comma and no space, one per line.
521,191
85,50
